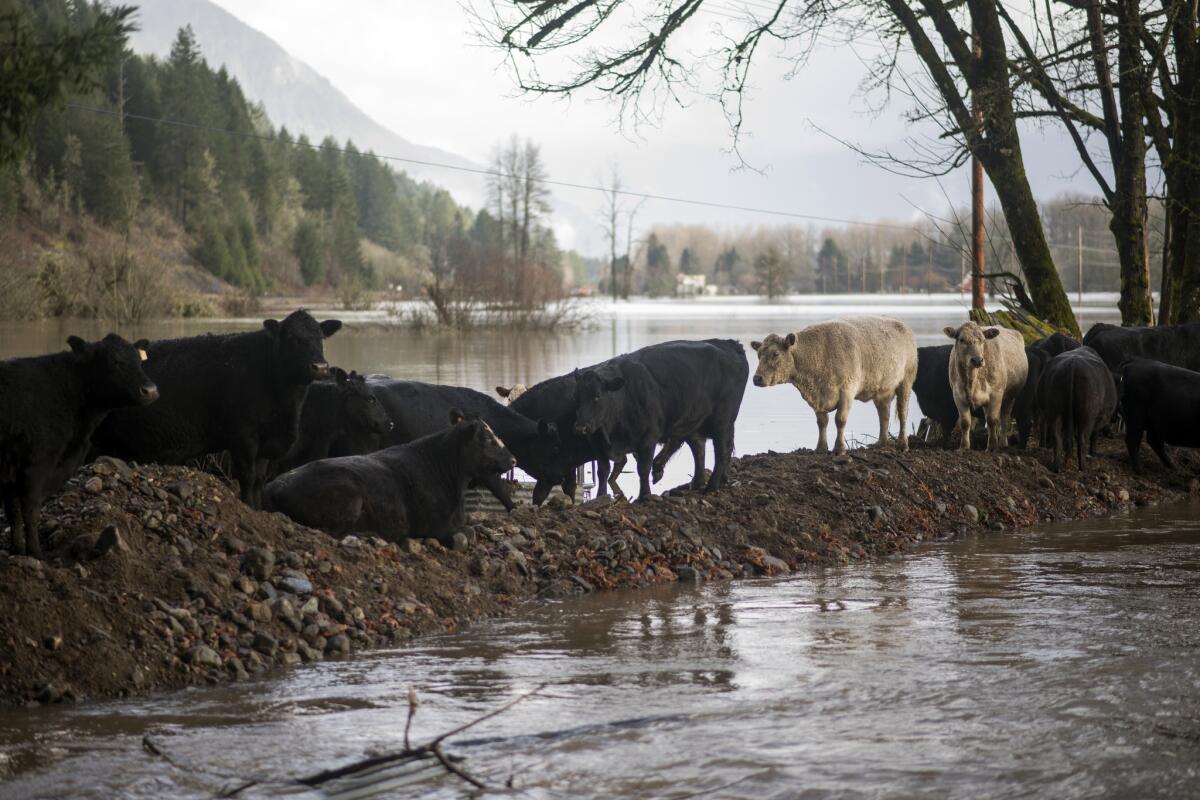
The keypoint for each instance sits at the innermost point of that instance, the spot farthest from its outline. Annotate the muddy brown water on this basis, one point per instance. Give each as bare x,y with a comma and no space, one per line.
1063,662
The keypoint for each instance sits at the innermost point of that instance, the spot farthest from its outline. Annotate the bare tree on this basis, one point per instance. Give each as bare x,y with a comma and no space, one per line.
518,192
644,70
611,223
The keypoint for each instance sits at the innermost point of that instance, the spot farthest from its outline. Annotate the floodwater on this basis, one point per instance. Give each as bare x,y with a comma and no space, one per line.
774,418
1059,663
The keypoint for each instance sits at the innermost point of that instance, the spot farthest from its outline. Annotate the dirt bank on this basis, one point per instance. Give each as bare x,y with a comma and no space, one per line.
163,578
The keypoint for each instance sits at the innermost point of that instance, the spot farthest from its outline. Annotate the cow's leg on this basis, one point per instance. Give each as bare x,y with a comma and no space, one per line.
541,491
1157,444
1056,433
242,463
602,469
839,420
499,487
1081,437
618,467
965,420
697,444
31,509
995,426
1133,443
668,451
883,409
570,480
822,424
903,393
16,523
645,462
723,452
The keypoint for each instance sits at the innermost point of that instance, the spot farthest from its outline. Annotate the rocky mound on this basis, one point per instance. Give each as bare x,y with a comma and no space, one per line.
161,577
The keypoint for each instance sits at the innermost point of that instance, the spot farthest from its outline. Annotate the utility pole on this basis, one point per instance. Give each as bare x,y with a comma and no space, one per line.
864,273
1079,263
977,254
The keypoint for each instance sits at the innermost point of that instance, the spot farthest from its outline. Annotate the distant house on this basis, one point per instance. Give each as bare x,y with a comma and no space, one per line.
692,285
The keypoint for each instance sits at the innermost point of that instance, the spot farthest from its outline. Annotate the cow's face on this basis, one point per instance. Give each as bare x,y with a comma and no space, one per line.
541,455
594,404
482,451
511,393
968,343
300,343
363,410
775,363
113,369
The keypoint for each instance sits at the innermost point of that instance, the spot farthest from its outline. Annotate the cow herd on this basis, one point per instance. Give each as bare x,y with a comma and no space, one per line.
345,452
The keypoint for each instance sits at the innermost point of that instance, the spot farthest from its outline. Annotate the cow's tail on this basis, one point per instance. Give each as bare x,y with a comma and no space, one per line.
1070,424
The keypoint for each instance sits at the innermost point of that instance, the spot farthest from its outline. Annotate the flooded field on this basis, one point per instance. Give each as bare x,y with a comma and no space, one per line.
770,419
1063,662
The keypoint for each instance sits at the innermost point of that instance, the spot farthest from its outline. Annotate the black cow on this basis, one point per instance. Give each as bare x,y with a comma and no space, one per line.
932,388
1160,401
419,409
49,408
1178,345
409,490
240,392
335,410
1056,343
1076,397
671,391
1027,409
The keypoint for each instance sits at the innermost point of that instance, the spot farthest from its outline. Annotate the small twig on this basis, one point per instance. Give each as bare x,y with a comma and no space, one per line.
450,767
497,712
412,712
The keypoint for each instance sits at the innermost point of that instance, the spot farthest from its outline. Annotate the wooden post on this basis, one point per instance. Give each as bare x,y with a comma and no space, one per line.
1079,263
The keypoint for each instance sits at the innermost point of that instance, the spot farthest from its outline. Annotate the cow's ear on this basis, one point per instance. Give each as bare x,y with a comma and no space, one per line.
78,346
755,345
456,416
339,376
614,384
271,326
142,344
950,331
991,333
500,390
330,326
790,340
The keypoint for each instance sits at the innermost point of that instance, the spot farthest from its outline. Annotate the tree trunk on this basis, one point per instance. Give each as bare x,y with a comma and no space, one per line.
1182,170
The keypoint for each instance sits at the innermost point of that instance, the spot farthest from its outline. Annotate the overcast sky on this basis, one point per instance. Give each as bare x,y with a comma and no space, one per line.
417,67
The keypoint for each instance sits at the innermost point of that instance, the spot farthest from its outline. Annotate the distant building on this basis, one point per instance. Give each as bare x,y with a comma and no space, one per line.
693,285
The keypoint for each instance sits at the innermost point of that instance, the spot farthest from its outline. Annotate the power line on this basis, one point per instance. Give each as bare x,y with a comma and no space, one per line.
496,173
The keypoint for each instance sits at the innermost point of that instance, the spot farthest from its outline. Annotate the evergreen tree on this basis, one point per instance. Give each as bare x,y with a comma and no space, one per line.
309,251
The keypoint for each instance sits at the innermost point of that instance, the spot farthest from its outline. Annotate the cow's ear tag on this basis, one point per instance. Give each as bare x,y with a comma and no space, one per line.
142,354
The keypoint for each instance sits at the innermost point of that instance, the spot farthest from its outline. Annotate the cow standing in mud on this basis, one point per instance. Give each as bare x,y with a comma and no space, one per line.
988,367
832,364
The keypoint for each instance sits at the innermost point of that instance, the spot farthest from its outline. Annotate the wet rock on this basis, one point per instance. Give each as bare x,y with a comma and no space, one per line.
333,607
460,543
687,574
203,656
245,585
259,563
338,645
260,612
49,693
265,643
971,513
413,547
93,485
107,465
1123,495
235,545
289,659
875,513
310,608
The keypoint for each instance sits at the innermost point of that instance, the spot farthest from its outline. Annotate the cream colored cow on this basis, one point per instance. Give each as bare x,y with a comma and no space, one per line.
988,367
834,363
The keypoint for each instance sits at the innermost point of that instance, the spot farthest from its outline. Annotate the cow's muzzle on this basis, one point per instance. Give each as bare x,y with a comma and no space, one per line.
976,362
147,394
758,381
319,369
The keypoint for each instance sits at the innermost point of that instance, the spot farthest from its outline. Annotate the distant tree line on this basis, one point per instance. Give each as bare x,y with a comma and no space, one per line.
257,206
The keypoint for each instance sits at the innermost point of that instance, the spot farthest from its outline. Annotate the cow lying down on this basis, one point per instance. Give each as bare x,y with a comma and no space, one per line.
409,490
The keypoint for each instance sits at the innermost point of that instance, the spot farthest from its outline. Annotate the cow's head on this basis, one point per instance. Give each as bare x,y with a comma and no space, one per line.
300,345
968,343
595,406
775,363
112,369
511,393
363,411
481,451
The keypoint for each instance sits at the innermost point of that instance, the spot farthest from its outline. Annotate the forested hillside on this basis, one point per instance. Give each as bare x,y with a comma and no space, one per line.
167,165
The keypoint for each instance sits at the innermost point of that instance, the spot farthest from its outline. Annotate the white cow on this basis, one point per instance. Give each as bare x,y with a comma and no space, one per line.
835,363
988,367
512,393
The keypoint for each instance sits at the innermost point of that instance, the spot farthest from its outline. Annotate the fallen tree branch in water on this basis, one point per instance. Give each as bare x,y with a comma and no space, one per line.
378,774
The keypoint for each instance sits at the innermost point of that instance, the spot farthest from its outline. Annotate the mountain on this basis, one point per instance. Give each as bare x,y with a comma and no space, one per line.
293,93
